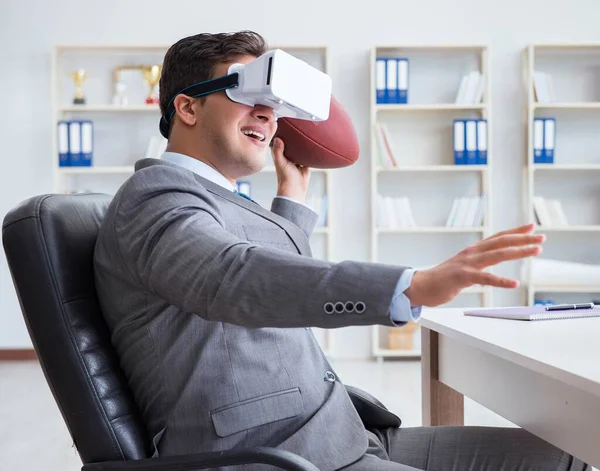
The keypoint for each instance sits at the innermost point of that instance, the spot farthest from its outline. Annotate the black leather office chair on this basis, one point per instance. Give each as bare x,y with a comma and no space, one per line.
49,242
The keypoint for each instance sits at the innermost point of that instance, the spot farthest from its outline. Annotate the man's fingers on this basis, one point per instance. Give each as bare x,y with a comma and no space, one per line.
509,240
489,279
524,229
278,157
278,148
494,257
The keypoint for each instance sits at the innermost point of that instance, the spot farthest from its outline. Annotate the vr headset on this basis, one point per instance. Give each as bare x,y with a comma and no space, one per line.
290,86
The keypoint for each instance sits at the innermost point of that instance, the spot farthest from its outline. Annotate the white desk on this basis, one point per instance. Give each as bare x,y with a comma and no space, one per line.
543,376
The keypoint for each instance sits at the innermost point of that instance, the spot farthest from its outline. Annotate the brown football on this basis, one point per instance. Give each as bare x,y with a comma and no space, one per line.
320,144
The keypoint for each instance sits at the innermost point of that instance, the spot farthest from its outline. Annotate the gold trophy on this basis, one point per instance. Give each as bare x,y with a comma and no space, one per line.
152,77
79,77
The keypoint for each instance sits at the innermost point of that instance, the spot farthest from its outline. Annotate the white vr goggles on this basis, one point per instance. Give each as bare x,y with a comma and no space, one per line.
290,86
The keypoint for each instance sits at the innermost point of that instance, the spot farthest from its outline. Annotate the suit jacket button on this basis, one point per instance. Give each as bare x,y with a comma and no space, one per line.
329,376
339,307
360,307
328,308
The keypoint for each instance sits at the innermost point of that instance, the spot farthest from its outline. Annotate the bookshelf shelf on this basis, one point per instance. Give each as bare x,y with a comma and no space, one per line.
431,100
126,169
431,107
109,109
388,49
111,48
560,47
592,105
591,228
556,167
431,230
574,66
565,288
435,168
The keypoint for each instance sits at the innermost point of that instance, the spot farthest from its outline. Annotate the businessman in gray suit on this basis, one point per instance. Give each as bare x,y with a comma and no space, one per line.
210,298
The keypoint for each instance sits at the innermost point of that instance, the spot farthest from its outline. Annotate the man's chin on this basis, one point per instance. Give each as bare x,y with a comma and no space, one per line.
252,163
258,161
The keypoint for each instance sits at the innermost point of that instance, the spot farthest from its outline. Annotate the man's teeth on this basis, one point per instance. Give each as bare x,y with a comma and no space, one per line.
250,132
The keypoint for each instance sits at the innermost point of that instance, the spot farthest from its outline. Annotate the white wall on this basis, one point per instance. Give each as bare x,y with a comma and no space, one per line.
28,29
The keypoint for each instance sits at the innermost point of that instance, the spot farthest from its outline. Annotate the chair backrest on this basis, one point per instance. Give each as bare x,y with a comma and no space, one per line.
49,243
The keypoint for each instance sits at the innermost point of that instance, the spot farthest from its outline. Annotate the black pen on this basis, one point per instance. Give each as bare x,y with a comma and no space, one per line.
566,307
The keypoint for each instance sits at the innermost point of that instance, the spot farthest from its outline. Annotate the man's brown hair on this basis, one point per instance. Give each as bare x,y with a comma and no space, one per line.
193,59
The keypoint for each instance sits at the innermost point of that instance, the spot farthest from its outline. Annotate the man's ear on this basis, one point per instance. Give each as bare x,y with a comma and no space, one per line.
185,111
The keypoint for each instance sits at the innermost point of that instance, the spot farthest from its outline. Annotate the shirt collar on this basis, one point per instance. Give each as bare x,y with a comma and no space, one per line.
199,168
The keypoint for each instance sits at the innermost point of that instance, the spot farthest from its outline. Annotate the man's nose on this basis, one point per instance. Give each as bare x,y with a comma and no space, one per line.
264,113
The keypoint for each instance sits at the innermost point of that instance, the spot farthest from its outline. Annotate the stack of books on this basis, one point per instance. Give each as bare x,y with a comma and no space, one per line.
552,272
471,88
75,143
470,142
391,80
544,87
549,212
394,213
467,211
544,140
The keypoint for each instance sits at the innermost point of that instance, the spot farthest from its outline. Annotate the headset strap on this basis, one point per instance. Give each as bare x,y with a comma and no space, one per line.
196,90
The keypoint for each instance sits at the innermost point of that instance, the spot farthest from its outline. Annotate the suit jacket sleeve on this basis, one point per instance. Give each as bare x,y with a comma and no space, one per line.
303,217
173,241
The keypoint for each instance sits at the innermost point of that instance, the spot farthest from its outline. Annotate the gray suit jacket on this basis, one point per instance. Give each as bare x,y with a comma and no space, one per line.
210,298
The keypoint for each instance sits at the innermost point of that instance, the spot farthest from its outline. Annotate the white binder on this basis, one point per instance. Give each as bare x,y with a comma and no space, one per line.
75,143
63,144
538,141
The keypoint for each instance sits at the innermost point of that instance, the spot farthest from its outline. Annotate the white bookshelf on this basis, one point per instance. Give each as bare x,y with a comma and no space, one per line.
427,172
573,177
122,132
575,104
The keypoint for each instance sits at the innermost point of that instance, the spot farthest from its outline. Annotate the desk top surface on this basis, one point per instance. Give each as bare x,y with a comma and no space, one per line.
566,349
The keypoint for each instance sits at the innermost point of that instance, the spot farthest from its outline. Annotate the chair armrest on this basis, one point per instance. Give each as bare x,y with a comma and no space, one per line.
371,411
264,455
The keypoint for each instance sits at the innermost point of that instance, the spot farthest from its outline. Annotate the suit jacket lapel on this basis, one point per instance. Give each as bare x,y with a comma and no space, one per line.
298,237
295,233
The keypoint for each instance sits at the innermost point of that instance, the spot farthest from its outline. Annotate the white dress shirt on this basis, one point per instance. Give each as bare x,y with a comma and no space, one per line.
400,309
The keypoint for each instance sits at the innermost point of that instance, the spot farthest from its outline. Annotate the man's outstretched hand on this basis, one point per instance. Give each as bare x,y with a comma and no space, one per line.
292,179
442,283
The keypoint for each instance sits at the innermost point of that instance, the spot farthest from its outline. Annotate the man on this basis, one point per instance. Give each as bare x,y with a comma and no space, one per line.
210,297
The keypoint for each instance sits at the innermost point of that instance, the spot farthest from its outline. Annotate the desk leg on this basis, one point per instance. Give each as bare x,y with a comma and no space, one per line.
441,405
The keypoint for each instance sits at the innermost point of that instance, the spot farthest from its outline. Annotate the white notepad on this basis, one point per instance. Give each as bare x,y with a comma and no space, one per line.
533,313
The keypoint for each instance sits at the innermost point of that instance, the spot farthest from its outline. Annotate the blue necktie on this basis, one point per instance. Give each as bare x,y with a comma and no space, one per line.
245,196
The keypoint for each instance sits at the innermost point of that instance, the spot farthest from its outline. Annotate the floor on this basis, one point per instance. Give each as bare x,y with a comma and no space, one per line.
33,435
